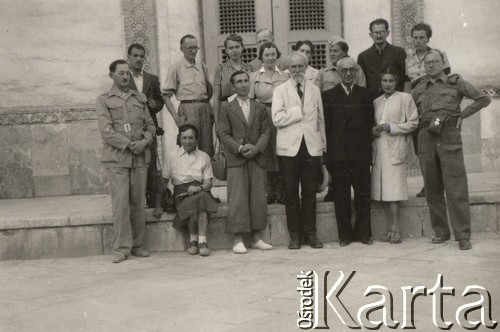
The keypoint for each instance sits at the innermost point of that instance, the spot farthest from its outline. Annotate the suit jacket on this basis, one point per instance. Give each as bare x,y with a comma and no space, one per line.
234,131
373,64
349,121
151,88
295,120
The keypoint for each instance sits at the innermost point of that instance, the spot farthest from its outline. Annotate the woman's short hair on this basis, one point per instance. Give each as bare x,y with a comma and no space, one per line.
235,38
422,27
268,45
390,71
304,42
186,127
343,46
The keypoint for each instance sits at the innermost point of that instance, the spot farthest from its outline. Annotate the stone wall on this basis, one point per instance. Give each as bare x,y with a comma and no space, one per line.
50,152
57,52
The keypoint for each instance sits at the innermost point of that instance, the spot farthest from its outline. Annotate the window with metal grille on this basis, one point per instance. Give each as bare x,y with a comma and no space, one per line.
307,15
248,54
236,16
319,56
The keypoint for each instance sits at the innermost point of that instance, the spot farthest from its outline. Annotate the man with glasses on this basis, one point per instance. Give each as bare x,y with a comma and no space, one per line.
188,80
438,98
349,120
381,56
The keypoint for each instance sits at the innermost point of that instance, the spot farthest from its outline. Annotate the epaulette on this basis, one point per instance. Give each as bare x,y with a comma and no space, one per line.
422,81
453,78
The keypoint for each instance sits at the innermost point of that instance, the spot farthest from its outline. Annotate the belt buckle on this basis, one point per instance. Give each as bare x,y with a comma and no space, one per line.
127,127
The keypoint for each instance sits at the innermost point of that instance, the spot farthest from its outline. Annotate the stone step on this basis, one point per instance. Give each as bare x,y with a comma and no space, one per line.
91,232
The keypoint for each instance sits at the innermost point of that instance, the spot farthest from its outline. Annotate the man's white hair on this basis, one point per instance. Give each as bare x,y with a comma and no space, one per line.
301,55
346,62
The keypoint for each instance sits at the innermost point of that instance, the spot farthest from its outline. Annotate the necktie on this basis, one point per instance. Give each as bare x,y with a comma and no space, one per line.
299,91
349,90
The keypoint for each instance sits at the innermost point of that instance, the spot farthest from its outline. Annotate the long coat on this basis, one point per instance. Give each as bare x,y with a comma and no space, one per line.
403,119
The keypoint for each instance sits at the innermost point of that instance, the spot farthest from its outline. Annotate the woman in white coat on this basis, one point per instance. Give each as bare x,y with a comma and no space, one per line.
395,117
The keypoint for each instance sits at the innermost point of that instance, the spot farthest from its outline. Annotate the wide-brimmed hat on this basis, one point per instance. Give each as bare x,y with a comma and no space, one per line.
324,179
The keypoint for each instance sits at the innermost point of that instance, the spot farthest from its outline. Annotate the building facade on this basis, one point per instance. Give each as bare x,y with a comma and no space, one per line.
55,57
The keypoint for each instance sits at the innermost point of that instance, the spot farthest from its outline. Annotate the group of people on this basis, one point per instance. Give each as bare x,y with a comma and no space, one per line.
280,121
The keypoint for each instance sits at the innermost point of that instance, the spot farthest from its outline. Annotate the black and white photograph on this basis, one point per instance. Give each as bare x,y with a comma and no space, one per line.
249,165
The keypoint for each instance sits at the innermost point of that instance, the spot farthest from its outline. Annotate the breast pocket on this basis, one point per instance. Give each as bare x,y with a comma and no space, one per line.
449,96
138,111
188,87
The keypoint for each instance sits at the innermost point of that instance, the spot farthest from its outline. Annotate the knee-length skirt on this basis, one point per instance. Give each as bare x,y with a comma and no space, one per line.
389,183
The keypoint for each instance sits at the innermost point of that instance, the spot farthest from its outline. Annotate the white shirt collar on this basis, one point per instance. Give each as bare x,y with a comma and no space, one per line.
276,69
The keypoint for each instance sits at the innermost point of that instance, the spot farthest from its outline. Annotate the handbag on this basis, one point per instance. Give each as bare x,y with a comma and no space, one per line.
219,166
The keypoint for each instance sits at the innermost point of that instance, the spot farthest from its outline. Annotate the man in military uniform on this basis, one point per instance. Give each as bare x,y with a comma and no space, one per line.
438,99
127,131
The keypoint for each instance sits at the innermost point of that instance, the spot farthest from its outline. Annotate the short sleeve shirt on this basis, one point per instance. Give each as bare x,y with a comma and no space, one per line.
415,68
183,167
262,88
187,81
223,74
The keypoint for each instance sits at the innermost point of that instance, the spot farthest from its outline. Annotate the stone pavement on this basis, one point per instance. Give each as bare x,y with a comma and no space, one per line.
227,292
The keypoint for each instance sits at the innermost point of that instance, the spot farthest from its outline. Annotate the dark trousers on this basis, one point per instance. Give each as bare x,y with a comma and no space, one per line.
442,163
303,169
150,185
357,174
127,187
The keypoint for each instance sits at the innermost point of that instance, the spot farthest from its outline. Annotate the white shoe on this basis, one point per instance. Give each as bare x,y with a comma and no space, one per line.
239,248
262,245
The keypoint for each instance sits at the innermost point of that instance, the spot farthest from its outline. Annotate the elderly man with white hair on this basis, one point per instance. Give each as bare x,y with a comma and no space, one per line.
349,123
297,112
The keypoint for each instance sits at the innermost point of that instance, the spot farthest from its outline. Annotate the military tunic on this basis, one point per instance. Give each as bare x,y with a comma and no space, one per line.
124,118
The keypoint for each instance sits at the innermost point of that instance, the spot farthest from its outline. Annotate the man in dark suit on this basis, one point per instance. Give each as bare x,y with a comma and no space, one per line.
244,131
348,119
149,85
381,56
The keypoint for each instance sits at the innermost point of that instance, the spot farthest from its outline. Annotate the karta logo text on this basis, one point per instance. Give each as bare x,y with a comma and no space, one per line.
315,308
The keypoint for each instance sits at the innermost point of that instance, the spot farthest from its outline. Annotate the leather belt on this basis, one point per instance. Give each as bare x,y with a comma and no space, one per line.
452,122
268,104
194,101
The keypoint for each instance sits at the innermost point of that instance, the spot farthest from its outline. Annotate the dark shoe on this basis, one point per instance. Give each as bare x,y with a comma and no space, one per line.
139,252
204,251
270,200
294,244
119,257
440,239
281,200
193,248
368,242
217,200
464,244
421,193
344,243
313,242
329,196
